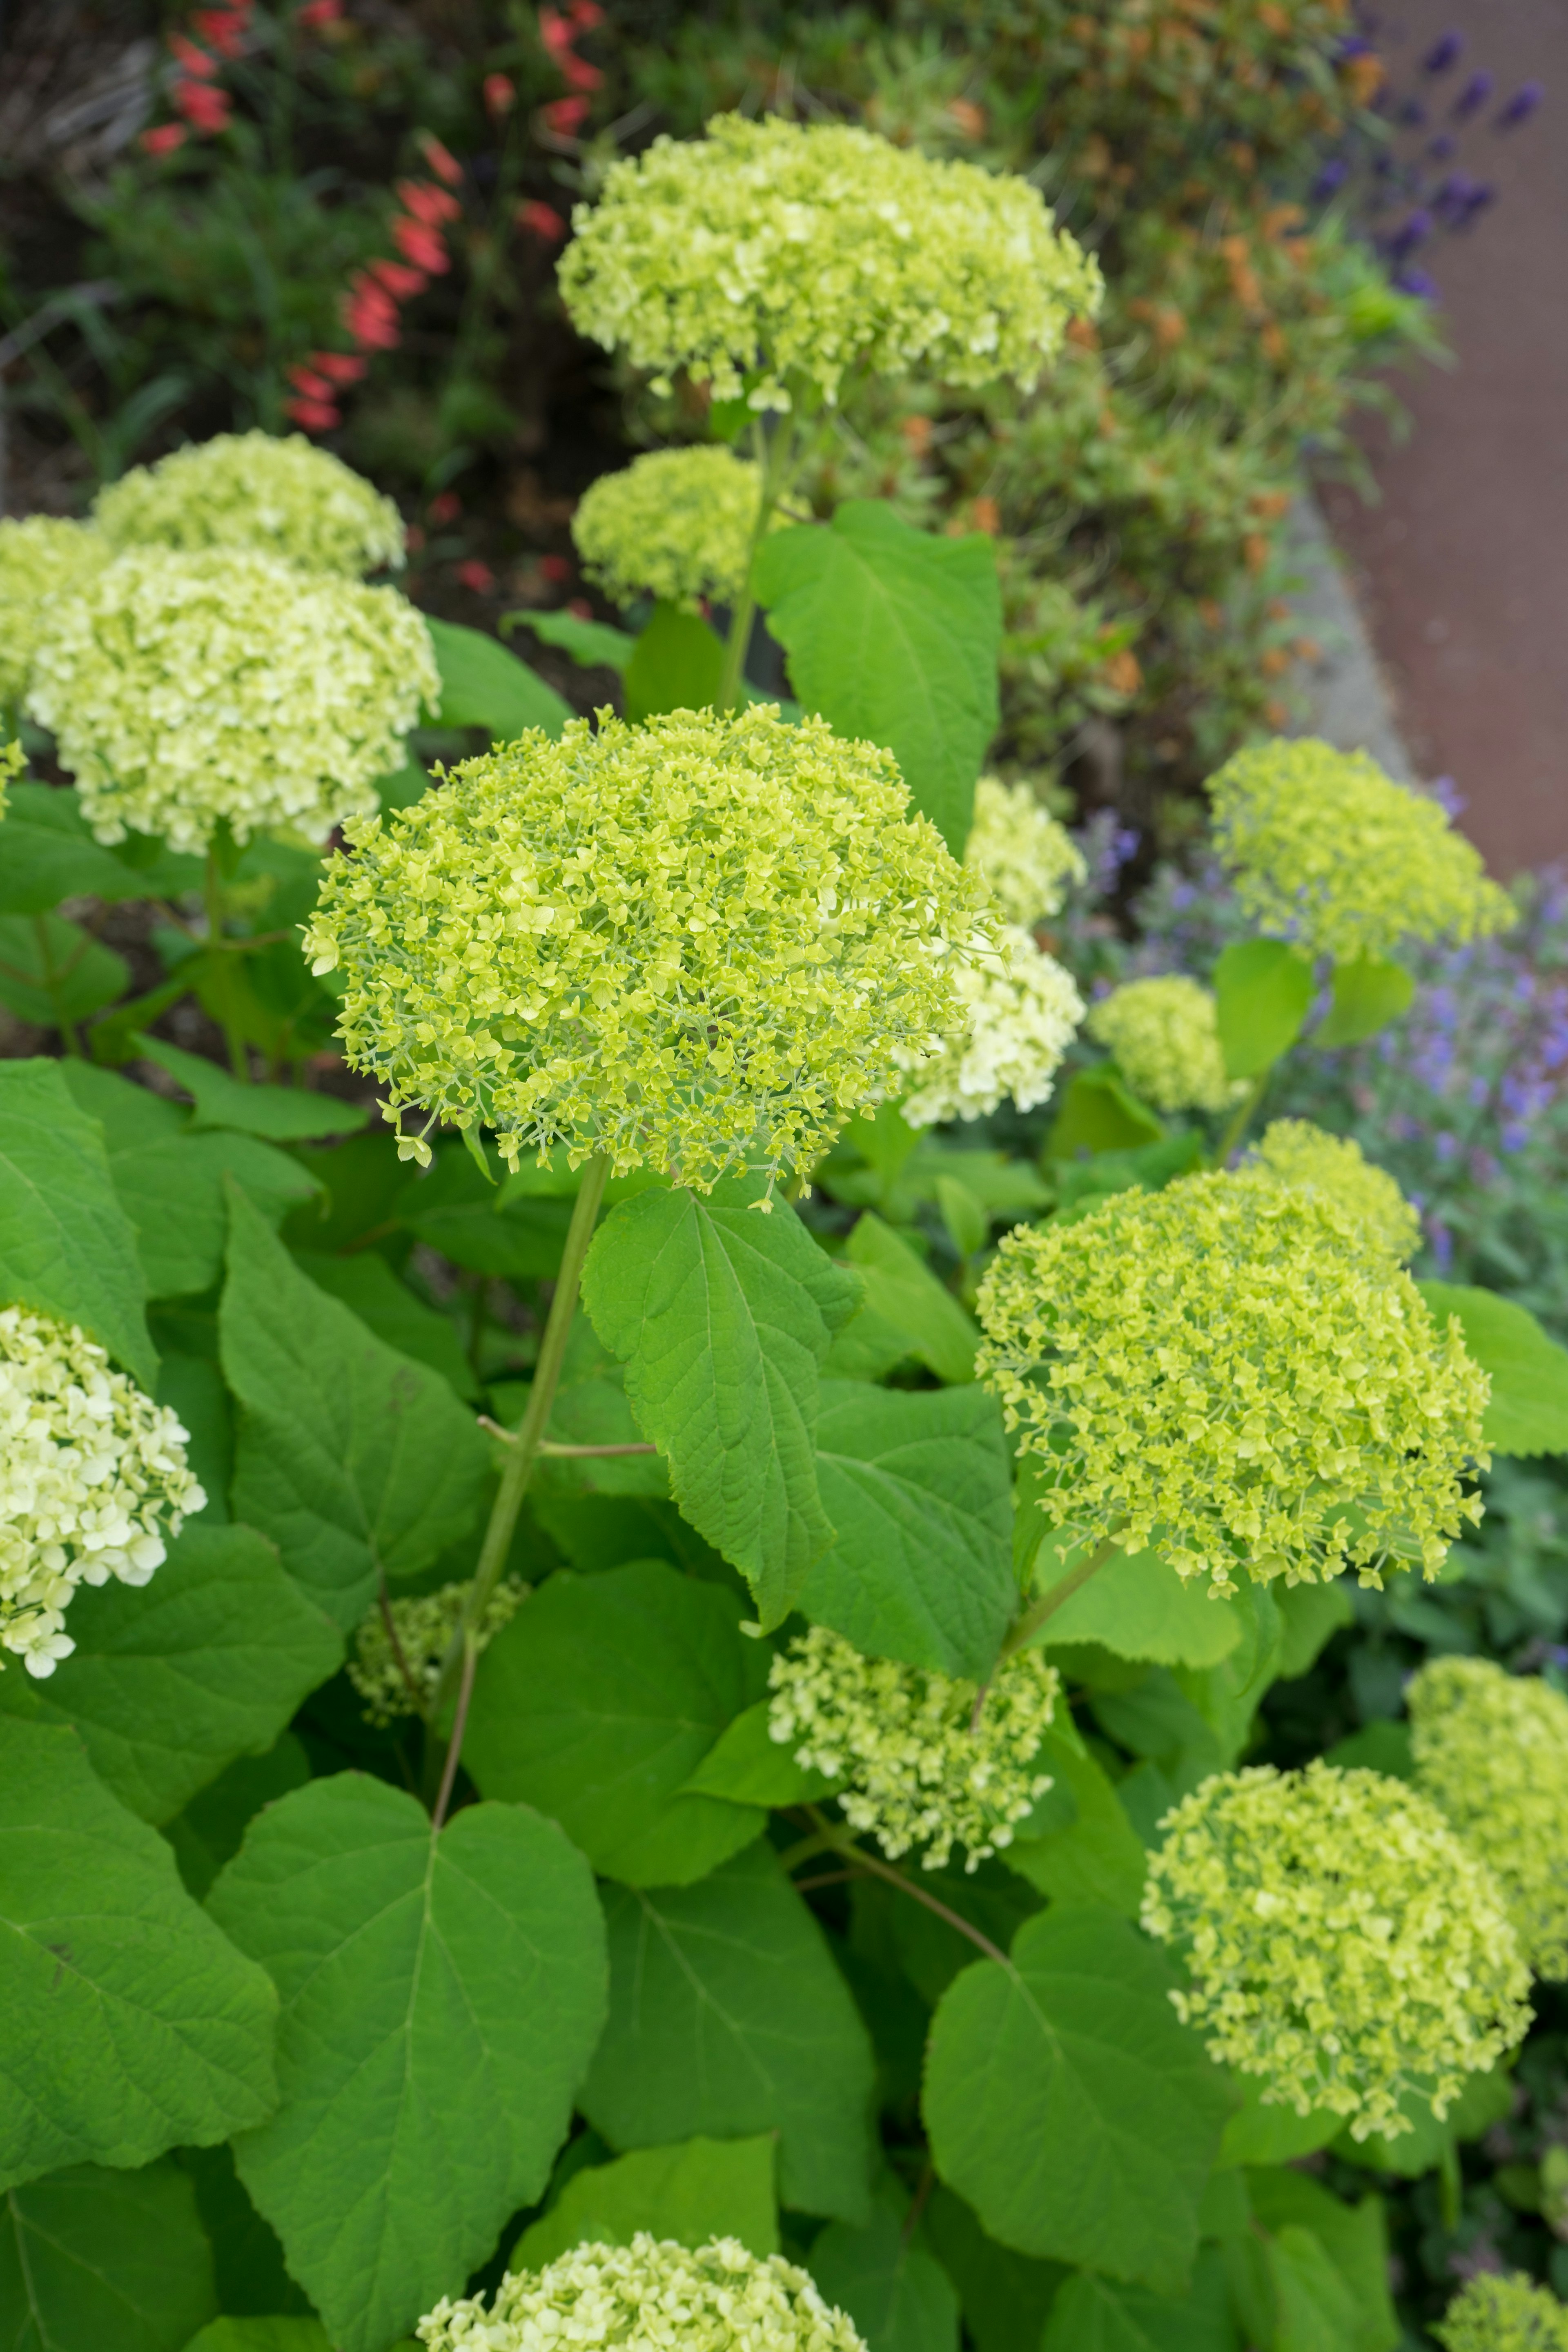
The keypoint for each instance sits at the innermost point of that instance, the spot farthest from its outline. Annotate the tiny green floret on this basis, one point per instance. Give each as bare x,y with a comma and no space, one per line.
697,945
1344,1946
1492,2314
277,495
1018,1012
42,558
1293,1152
1028,860
1231,1373
677,524
12,761
1165,1038
398,1649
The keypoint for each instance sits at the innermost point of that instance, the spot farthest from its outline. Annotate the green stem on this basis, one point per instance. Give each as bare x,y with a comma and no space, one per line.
1245,1110
842,1843
1027,1626
212,893
780,458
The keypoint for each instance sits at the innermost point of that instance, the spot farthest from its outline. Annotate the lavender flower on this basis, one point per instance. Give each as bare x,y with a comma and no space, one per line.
1443,54
1521,106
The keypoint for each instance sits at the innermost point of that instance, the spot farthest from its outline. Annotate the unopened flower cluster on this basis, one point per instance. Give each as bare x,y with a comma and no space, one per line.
677,525
42,557
1166,1039
1330,852
1229,1373
920,1771
1018,1010
1028,860
646,2297
395,1669
1344,1947
186,689
92,1480
1293,1152
1493,2314
1491,1752
278,496
696,945
774,251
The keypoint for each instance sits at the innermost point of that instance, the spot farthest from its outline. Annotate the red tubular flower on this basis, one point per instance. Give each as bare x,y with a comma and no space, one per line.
566,115
315,415
399,281
557,568
421,246
369,314
314,387
580,73
338,367
196,61
163,139
203,108
316,13
586,15
555,33
223,29
477,576
441,159
501,95
540,220
445,508
427,203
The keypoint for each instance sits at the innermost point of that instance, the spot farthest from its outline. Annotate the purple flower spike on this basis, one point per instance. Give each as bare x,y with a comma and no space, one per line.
1413,115
1417,281
1441,148
1334,174
1473,97
1448,796
1521,106
1409,235
1444,54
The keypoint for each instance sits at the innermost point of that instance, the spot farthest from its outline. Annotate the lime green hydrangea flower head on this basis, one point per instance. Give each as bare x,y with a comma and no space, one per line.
397,1652
1503,2315
1491,1752
1344,1947
919,1771
1028,860
41,558
280,497
1018,1011
1329,851
677,525
1166,1039
1293,1152
696,945
1229,1373
188,690
774,251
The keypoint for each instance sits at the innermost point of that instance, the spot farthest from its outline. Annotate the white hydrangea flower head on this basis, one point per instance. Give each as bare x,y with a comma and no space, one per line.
1020,1010
41,558
1028,860
783,252
1165,1038
278,496
677,524
1493,2314
93,1481
395,1666
188,690
1293,1152
919,1771
653,2295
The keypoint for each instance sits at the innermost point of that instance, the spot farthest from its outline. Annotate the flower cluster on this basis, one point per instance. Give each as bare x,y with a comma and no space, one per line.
1229,1373
1491,1752
919,1771
1343,1946
277,495
1491,2314
13,760
1329,851
188,690
1028,860
1166,1043
41,558
646,2297
398,1654
92,1477
677,524
1293,1152
697,944
1019,1011
772,252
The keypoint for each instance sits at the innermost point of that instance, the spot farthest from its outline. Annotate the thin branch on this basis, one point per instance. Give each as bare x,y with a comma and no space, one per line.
568,1453
828,1878
414,1693
869,1862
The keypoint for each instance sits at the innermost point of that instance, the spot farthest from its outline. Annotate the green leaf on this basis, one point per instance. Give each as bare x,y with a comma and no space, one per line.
1379,1746
1528,1409
746,1765
353,1458
1068,2104
1092,2315
1148,1168
919,1489
722,1316
209,1831
369,1288
1006,2297
170,1683
598,1701
131,2024
192,1387
35,950
900,1287
93,2260
698,2190
246,2257
592,644
1310,1616
1136,1606
50,855
676,665
1485,2099
440,1997
261,2336
278,1114
1264,992
1368,994
480,1225
1095,1855
1313,2306
1098,1114
888,2279
1257,2134
1354,2238
67,1246
484,686
893,634
967,1222
728,2018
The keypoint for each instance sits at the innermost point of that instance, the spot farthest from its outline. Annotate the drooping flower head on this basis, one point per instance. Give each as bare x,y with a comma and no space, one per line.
697,944
1329,851
1491,1752
1231,1374
396,1661
1344,1947
41,558
769,252
1491,2314
1017,1012
677,525
918,1772
1164,1034
1293,1152
186,689
721,2298
279,497
92,1480
1028,860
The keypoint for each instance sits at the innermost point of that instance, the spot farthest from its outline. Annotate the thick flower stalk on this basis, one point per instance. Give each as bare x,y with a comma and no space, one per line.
1491,1752
1018,1011
921,1769
645,2297
1166,1039
1344,1946
1231,1374
1028,861
697,945
278,497
398,1649
1294,1152
1328,851
768,257
41,558
677,525
93,1481
1491,2314
189,690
